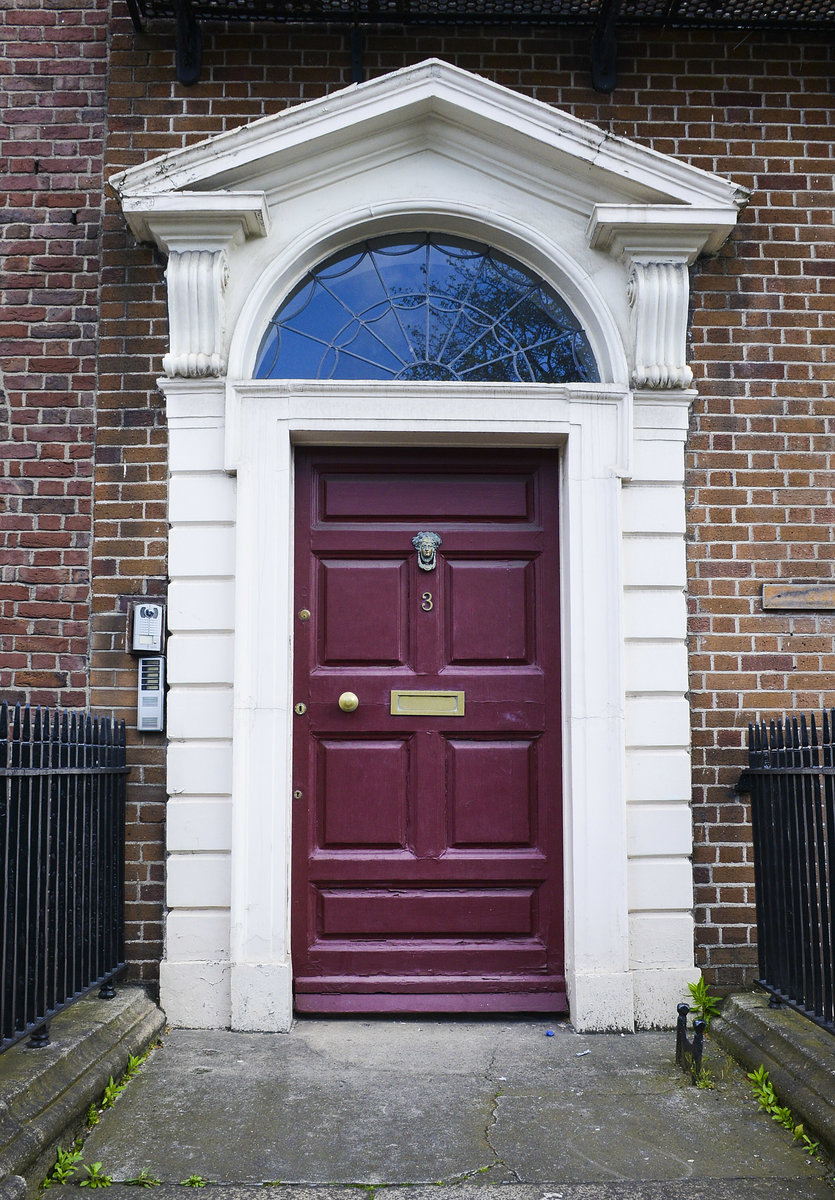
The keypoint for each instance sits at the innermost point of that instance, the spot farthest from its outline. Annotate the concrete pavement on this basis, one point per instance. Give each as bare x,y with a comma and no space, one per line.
418,1105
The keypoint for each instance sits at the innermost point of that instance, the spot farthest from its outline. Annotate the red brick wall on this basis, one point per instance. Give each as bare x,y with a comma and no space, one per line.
53,79
761,461
753,106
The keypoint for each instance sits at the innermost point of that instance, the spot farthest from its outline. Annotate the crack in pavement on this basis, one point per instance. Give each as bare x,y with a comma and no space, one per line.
490,1126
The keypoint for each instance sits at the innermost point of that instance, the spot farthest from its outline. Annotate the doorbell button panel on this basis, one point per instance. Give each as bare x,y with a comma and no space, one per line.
148,627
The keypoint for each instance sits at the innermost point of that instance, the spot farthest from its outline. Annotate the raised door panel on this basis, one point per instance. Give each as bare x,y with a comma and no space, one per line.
363,794
490,611
363,612
492,793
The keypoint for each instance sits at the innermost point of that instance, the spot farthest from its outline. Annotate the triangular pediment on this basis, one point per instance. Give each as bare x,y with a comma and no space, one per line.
431,105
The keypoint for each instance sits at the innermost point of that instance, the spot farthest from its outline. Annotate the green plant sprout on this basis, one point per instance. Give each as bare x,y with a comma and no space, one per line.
703,1078
705,1006
143,1179
66,1165
135,1064
112,1092
194,1181
96,1177
766,1098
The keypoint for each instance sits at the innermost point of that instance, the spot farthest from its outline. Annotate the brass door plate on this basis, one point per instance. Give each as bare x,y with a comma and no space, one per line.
427,704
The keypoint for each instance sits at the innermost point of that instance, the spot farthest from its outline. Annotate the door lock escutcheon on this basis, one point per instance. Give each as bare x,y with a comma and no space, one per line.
300,709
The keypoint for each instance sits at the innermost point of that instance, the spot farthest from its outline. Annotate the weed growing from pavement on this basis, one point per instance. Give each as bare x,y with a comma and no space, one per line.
66,1165
111,1093
766,1098
703,1078
143,1179
96,1177
194,1181
69,1162
705,1006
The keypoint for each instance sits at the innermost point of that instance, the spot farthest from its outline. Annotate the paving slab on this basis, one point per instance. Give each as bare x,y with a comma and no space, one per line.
411,1104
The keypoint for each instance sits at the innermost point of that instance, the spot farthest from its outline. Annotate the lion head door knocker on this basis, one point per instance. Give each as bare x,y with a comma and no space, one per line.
427,545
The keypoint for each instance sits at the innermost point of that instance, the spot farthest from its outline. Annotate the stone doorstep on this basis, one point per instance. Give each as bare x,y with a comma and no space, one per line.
45,1093
798,1055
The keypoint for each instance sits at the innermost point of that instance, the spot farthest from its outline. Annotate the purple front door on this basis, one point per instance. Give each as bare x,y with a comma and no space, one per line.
427,827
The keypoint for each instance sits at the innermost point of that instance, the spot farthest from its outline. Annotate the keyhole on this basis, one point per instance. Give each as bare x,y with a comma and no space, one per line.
426,602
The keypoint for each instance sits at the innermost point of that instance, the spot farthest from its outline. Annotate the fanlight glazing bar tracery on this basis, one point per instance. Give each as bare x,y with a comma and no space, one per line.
425,307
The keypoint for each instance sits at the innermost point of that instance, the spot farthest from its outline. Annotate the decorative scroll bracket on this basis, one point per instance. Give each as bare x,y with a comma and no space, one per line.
657,243
196,281
197,231
658,294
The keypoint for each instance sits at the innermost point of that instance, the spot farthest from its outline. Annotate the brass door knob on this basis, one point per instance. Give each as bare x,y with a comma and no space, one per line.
348,701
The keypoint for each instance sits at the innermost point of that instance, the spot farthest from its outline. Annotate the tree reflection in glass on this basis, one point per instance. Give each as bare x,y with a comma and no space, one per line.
425,307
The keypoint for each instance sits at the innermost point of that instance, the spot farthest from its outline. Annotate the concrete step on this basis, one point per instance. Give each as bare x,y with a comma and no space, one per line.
798,1055
692,1189
45,1093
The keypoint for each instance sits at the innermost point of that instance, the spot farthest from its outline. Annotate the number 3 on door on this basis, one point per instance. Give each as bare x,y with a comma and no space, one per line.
426,602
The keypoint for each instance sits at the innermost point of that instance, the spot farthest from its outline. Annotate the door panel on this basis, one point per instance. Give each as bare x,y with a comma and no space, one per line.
427,845
378,771
491,791
355,631
490,609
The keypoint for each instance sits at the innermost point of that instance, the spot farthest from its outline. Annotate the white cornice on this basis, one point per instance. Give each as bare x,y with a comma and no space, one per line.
168,217
683,231
430,89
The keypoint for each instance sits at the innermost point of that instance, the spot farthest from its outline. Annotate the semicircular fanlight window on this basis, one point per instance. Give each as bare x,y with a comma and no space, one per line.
425,307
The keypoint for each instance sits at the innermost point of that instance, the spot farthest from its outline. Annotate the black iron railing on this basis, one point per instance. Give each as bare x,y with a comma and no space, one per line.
791,780
62,820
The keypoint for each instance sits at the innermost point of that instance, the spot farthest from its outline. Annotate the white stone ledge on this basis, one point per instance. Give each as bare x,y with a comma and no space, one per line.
200,713
198,881
197,933
197,658
201,498
201,605
660,885
200,769
196,995
658,830
199,823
